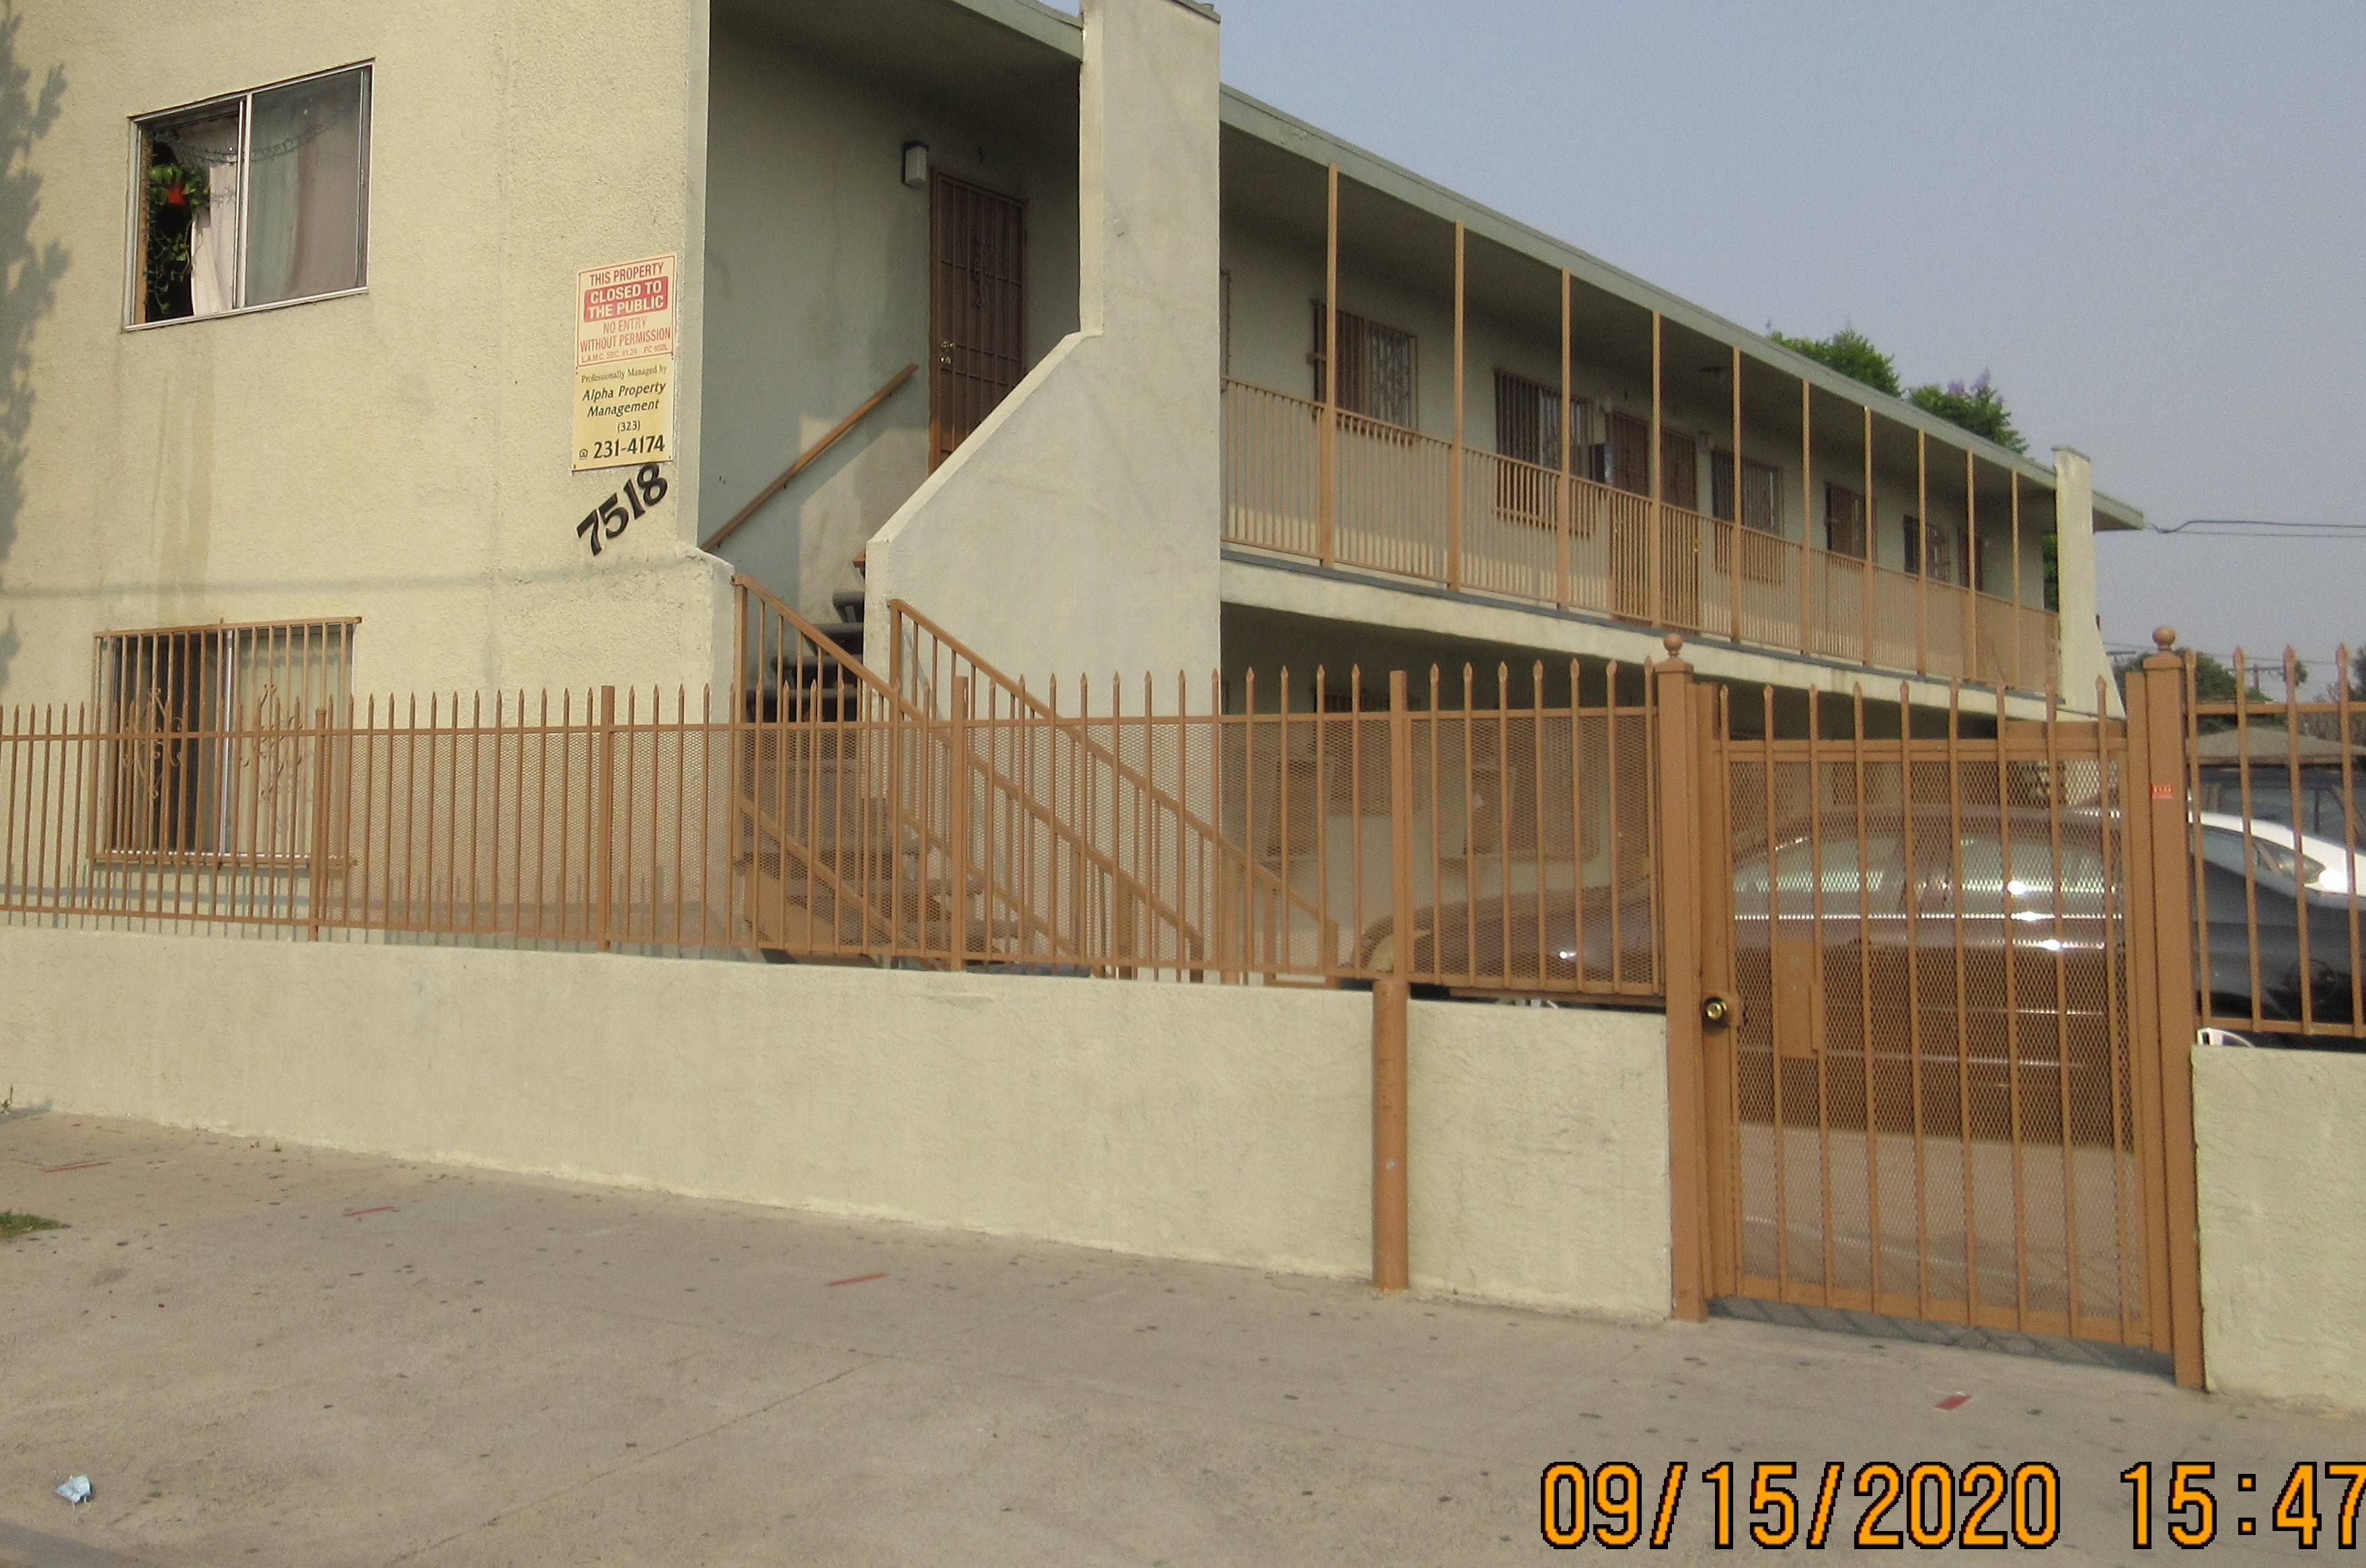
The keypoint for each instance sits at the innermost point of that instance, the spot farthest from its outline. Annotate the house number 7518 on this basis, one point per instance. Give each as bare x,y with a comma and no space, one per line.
609,519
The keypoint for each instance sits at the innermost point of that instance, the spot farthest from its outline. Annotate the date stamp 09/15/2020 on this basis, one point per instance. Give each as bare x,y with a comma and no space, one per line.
1879,1504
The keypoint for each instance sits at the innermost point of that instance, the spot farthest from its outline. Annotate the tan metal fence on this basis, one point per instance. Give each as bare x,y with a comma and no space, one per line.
588,817
2277,836
937,815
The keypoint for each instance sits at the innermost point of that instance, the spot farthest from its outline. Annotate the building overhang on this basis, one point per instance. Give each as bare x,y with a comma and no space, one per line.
1347,597
996,59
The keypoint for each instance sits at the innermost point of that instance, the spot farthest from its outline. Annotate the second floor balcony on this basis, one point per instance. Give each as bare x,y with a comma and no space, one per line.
1316,483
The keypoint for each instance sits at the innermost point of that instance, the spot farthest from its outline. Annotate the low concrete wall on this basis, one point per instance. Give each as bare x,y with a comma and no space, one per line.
1537,1146
2283,1274
1218,1123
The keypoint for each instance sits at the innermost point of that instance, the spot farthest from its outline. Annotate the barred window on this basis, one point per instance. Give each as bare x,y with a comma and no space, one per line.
209,731
1942,541
1761,492
1528,430
1379,367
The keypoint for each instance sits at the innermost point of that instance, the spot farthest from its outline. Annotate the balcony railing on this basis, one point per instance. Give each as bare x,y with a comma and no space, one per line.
1537,536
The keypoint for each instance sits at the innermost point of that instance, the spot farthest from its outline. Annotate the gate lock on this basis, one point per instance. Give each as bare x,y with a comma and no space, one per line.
1716,1012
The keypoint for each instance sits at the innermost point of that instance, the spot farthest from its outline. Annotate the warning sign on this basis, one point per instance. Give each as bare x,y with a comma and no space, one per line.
625,311
623,364
624,413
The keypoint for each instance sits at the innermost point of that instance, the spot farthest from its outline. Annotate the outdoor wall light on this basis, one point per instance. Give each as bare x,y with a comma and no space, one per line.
915,164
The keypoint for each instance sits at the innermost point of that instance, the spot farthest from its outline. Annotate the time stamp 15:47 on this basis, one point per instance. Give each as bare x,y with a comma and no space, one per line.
1777,1504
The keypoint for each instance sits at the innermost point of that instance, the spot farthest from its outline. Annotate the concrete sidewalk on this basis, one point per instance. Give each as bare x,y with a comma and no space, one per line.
265,1355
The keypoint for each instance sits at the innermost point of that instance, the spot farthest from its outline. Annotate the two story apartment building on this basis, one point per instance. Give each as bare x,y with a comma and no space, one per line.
423,346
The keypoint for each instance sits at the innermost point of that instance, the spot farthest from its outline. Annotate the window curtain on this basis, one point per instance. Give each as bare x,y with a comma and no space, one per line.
212,144
304,207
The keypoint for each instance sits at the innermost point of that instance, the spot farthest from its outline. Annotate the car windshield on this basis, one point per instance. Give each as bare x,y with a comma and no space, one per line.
2315,808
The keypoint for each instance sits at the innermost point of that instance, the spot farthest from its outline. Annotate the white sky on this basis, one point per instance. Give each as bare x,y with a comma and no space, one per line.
2147,219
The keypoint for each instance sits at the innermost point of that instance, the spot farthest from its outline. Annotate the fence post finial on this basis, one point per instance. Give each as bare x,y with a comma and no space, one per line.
2163,638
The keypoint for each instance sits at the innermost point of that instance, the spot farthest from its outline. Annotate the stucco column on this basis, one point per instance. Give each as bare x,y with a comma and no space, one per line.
1077,530
2083,659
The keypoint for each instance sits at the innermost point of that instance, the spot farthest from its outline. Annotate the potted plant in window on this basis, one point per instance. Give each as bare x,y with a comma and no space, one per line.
177,193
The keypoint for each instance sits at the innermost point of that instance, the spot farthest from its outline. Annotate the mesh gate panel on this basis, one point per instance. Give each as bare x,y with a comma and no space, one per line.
1932,1110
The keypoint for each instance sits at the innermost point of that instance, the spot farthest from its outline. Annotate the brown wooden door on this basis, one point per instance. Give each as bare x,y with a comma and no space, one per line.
1679,470
1630,454
1631,523
977,307
1681,542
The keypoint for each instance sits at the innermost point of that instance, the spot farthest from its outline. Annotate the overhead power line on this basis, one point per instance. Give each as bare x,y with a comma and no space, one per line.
2258,528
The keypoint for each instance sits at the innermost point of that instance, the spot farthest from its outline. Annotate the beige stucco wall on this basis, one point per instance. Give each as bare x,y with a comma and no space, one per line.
2084,662
2283,1274
400,454
1221,1123
817,291
1076,529
1537,1148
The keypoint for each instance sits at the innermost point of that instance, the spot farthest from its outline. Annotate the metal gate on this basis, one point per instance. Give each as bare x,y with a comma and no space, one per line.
1933,1006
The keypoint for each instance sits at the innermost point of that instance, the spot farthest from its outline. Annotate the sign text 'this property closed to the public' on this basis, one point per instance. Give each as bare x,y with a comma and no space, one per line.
624,364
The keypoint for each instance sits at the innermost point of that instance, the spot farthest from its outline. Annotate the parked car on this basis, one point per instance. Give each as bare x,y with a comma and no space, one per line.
2258,891
1503,943
2035,931
2321,865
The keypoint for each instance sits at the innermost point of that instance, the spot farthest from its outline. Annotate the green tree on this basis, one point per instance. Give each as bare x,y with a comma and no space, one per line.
1978,407
1849,352
1975,405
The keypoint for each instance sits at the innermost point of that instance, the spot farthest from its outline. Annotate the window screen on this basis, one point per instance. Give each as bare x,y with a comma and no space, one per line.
1527,420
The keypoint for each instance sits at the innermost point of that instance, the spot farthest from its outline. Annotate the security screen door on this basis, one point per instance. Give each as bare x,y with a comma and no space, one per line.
977,307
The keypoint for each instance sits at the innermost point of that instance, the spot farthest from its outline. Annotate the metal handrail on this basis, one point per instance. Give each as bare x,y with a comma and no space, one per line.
909,713
806,458
902,613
